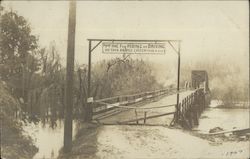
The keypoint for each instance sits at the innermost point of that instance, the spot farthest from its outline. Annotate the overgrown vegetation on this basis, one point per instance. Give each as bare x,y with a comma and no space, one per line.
14,144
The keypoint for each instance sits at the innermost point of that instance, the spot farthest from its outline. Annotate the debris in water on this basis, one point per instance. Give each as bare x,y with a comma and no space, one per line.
216,129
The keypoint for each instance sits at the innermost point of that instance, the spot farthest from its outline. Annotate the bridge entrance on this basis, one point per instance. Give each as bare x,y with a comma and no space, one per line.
126,46
138,108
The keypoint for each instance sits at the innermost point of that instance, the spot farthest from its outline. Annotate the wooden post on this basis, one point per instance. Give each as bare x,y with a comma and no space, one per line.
178,83
137,122
196,116
177,114
145,117
88,114
89,69
69,77
190,118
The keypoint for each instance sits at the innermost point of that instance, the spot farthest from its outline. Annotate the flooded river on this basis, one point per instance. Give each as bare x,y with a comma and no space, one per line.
226,119
50,140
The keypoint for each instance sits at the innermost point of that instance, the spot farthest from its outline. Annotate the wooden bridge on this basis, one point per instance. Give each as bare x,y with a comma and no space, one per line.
157,107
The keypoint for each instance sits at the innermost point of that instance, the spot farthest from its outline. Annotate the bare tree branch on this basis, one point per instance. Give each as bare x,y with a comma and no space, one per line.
118,60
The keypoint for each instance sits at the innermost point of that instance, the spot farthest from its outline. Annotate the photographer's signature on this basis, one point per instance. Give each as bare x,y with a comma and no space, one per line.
231,153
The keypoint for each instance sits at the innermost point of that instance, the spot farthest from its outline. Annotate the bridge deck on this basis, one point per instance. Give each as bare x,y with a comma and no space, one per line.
130,114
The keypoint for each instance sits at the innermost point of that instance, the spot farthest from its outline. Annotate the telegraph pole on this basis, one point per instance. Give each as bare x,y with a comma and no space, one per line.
69,77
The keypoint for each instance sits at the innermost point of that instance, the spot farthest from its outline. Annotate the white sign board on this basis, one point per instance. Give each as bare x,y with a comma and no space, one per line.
90,100
133,48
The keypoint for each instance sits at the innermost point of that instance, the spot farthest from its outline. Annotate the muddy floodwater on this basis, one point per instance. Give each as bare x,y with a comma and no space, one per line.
150,142
227,119
48,140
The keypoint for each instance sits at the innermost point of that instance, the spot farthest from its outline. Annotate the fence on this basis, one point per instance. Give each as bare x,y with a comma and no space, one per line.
190,109
109,106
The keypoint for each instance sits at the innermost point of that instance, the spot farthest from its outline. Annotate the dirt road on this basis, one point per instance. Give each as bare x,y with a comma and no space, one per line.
130,142
161,142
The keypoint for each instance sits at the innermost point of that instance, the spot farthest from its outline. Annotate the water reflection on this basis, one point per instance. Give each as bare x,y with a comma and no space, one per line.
48,136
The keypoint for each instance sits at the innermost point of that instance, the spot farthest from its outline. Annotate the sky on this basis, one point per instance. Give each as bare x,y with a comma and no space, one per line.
215,30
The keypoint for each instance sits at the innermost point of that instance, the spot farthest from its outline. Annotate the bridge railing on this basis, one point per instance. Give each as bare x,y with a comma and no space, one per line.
190,108
101,106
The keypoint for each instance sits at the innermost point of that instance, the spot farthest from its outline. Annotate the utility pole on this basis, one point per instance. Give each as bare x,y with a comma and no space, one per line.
69,77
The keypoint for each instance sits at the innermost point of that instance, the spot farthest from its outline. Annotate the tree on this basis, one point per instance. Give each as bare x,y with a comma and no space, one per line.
50,82
121,76
18,49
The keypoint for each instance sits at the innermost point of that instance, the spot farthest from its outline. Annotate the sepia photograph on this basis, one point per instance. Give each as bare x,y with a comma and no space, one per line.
124,79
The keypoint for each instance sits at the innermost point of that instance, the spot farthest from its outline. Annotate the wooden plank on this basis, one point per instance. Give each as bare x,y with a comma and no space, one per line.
149,117
131,124
237,131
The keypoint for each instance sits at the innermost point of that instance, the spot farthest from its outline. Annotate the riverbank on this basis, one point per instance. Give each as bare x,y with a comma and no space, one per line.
233,107
236,105
14,144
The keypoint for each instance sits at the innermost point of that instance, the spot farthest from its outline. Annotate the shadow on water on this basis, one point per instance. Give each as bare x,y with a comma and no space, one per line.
85,144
